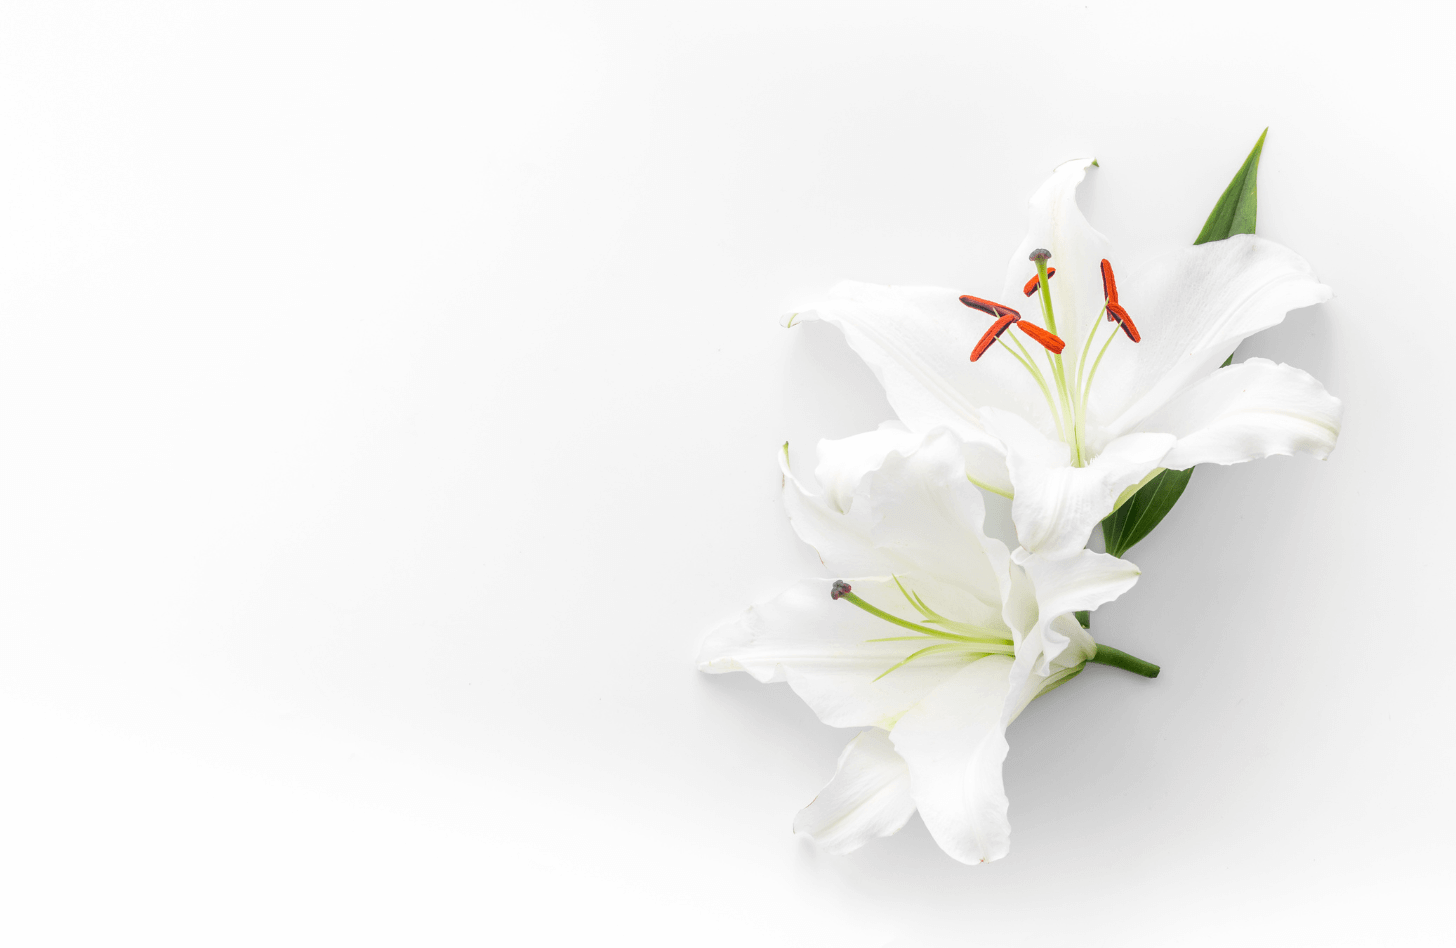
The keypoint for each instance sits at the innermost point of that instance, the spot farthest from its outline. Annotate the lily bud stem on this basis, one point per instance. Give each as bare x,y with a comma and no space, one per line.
1117,658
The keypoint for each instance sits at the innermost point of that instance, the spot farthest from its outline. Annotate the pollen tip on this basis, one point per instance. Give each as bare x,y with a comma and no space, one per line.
839,588
1114,311
1034,283
988,307
1109,282
1046,339
1040,254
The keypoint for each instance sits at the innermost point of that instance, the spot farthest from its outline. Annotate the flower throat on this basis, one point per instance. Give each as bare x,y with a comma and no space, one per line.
1069,405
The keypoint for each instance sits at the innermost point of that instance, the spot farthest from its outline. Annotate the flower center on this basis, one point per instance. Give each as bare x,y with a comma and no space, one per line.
962,638
1069,404
973,641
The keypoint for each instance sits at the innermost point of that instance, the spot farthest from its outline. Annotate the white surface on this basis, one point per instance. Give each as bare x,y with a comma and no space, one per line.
389,397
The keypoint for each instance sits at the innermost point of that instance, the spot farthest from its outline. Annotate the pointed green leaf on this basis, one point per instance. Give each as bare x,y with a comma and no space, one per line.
1136,519
1235,213
1239,206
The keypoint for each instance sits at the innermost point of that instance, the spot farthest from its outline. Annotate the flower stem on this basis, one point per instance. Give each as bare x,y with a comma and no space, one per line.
1117,658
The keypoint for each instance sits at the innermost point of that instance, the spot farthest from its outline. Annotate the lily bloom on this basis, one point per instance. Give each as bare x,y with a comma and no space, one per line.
927,634
1070,428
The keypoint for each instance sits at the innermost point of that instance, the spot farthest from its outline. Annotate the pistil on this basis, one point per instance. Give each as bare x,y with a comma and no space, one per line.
842,590
1040,256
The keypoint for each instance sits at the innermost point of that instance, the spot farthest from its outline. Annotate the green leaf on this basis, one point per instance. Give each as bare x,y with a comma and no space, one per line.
1128,524
1084,617
1239,206
1235,213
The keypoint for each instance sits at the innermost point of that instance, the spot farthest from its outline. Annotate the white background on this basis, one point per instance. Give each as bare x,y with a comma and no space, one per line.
388,403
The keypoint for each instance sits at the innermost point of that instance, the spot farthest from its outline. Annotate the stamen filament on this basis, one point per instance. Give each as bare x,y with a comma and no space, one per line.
1087,344
1093,374
906,624
1056,364
912,656
990,635
1081,399
1040,380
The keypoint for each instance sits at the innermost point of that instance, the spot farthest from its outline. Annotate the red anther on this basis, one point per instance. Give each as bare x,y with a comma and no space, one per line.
994,333
1054,343
990,308
1115,310
1109,284
1031,284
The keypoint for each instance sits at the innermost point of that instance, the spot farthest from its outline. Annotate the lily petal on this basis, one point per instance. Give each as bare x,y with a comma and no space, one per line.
836,520
1077,250
1062,586
1194,306
868,797
1248,411
918,341
823,649
927,515
1084,580
1057,505
954,742
881,479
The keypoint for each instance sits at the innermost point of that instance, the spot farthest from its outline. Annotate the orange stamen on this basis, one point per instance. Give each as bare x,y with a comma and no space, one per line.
992,334
1109,283
990,308
1031,285
1115,310
1054,343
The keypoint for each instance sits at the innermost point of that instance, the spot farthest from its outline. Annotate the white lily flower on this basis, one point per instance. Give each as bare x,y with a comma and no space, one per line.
1071,423
933,637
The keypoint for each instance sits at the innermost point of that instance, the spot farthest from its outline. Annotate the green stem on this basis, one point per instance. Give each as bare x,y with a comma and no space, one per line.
1117,658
